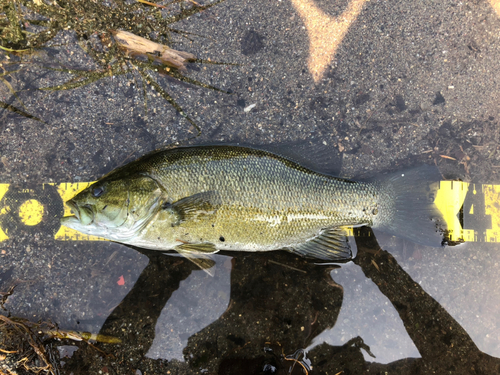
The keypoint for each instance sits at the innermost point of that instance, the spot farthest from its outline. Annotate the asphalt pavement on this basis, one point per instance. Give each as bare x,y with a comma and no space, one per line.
382,85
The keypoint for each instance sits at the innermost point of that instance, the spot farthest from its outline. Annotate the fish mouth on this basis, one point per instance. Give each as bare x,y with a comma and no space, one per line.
83,214
74,209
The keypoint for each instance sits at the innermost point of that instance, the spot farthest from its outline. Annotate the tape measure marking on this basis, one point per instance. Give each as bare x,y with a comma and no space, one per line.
471,212
3,190
30,210
67,191
449,200
492,203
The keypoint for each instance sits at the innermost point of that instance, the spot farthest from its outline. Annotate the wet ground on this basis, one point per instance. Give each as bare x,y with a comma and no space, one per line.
385,84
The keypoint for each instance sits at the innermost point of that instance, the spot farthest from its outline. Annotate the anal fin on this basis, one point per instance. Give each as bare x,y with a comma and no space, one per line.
204,247
331,244
199,254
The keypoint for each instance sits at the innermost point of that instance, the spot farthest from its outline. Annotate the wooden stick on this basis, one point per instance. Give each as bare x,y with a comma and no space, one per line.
138,46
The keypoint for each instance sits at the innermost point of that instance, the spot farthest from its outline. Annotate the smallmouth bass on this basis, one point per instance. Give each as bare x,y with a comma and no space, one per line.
201,199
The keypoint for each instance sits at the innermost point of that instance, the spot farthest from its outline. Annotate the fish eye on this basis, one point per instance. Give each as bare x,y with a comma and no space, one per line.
97,192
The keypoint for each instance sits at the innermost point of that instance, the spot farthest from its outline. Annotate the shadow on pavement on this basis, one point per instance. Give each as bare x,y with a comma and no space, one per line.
278,304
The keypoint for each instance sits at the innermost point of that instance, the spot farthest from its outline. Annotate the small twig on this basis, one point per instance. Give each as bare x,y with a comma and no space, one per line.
287,266
134,45
6,295
152,4
8,351
447,157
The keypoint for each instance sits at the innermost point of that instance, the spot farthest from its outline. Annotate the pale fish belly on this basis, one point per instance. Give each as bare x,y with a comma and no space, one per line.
242,229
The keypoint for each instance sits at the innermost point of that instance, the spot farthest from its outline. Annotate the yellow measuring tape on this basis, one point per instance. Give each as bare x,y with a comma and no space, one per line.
471,211
39,209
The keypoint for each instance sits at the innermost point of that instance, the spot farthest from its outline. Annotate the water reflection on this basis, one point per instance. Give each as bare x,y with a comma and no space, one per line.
269,313
444,346
199,300
275,300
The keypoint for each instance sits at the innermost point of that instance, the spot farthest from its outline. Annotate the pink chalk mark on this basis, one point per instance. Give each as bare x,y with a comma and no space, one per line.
121,280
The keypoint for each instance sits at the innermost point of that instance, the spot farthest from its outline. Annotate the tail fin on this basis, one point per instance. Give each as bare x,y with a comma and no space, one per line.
407,209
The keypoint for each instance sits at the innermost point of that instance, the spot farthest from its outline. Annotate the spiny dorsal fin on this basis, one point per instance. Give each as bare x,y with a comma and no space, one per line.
316,156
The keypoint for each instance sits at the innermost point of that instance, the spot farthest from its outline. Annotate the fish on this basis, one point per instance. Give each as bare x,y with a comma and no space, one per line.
198,200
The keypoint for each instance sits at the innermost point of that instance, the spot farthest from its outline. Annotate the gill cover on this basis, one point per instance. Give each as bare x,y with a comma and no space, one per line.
115,208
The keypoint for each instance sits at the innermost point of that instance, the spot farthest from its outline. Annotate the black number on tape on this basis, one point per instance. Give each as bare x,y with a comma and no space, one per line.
477,221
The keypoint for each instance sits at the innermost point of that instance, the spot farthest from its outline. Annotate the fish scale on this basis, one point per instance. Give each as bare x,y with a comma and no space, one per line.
297,204
259,179
207,198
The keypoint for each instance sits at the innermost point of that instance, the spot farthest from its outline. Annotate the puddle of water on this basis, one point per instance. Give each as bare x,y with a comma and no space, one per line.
436,103
367,313
199,301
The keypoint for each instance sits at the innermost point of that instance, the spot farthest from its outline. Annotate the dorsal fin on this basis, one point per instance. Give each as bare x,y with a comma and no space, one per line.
317,156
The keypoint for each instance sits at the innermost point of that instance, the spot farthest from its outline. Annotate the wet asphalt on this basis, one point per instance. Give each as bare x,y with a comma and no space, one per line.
409,83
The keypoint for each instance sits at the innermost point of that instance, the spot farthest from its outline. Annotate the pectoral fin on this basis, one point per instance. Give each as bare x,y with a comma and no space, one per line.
331,244
195,207
199,254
